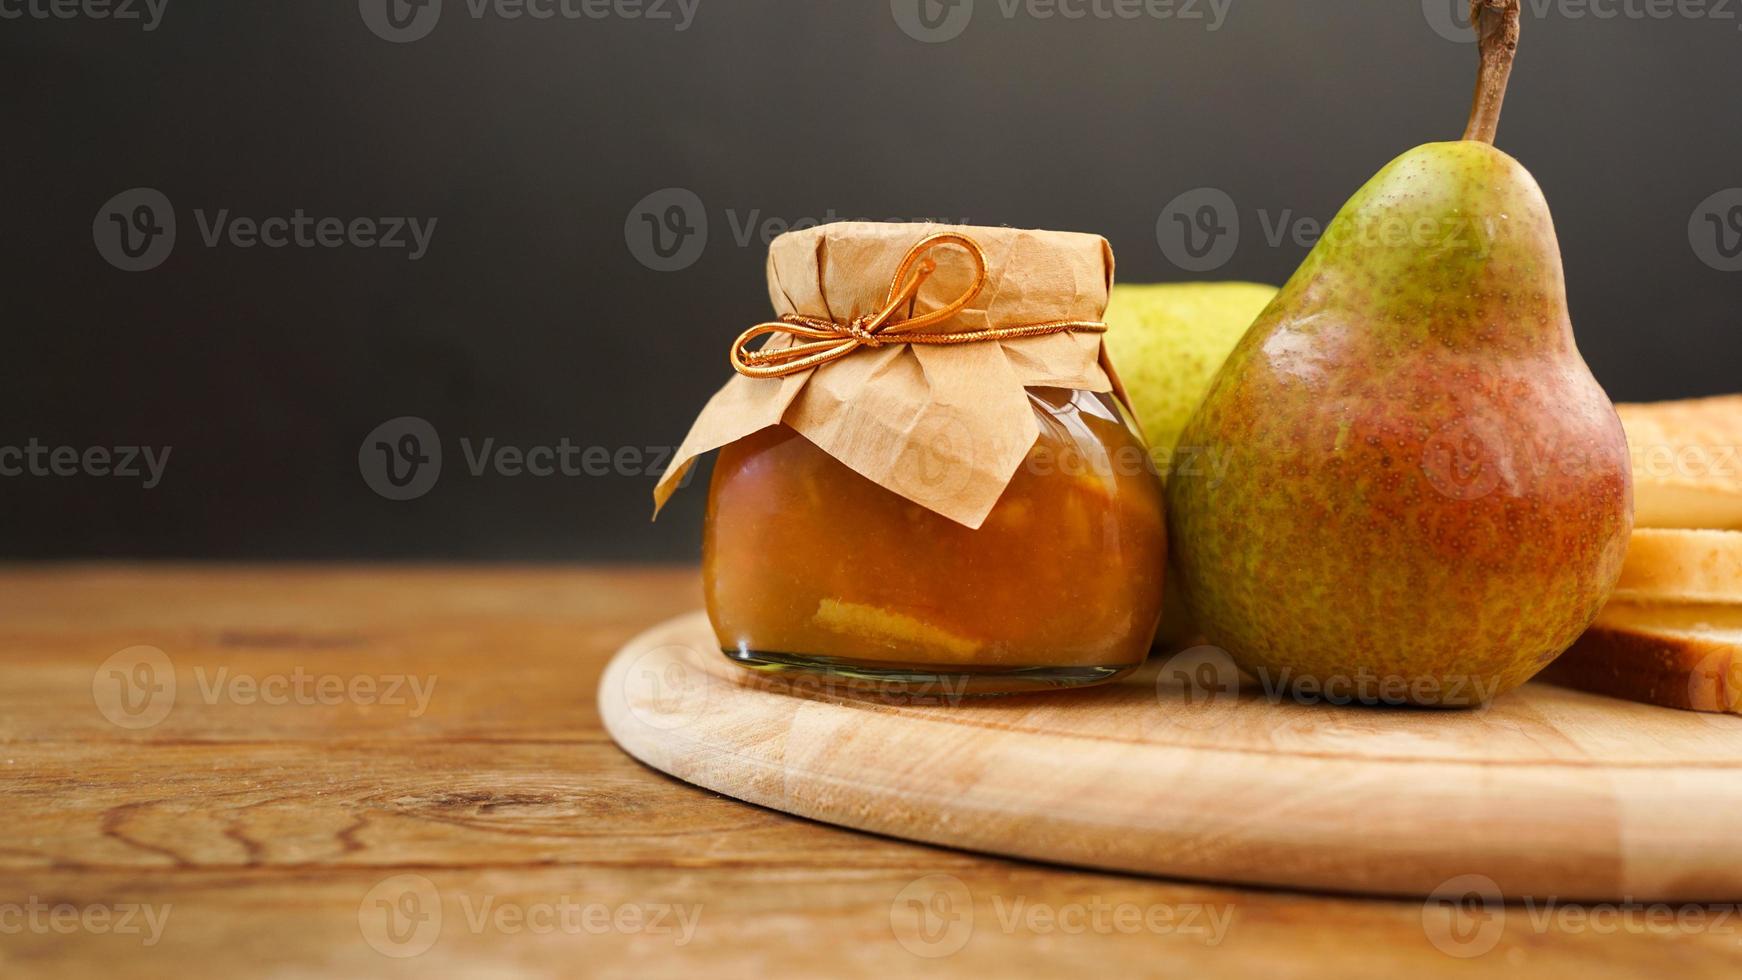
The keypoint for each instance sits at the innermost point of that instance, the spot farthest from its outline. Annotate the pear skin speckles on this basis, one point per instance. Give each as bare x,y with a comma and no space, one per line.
1418,475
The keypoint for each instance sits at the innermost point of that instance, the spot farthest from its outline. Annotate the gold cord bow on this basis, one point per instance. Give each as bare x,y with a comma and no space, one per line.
822,341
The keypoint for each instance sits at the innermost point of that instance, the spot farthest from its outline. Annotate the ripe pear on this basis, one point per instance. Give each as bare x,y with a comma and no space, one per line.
1167,340
1405,486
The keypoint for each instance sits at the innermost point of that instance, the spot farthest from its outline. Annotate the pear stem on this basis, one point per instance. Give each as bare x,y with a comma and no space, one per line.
1497,32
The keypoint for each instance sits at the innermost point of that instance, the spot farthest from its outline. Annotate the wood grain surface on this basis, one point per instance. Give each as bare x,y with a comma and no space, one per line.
1547,792
494,830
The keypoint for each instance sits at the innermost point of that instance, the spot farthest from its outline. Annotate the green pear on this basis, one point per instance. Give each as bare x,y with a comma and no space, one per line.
1405,486
1167,340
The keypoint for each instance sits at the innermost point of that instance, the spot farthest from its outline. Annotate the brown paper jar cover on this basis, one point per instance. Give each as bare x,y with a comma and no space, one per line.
943,426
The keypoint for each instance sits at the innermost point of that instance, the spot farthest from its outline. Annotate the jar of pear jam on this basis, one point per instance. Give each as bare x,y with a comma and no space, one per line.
810,567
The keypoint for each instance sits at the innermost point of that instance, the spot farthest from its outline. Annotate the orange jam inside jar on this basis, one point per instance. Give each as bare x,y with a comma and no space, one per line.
809,566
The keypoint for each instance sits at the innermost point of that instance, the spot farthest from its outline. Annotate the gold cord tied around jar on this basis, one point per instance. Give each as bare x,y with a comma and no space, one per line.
820,341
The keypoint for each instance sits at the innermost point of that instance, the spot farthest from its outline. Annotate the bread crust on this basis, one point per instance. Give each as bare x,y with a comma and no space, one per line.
1672,669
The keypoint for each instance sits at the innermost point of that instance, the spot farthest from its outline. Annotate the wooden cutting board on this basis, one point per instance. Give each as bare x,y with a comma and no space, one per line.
1547,793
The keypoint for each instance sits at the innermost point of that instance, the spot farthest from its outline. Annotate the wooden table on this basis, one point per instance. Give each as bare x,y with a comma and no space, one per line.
368,770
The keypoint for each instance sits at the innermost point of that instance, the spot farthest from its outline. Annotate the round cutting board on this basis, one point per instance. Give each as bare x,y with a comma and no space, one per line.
1547,793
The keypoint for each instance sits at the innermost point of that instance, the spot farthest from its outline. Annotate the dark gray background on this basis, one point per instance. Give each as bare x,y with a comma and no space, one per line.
530,320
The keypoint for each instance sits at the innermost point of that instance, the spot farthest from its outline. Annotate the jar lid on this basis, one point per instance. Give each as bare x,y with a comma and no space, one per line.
943,424
843,270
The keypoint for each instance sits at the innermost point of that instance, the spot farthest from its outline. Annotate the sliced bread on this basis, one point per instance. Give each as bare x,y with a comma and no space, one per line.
1682,567
1678,656
1687,462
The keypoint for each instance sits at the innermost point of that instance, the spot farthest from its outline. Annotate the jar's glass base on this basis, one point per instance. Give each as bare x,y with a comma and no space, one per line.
927,682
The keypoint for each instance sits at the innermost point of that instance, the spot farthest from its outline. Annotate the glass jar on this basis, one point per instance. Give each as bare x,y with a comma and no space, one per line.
810,567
